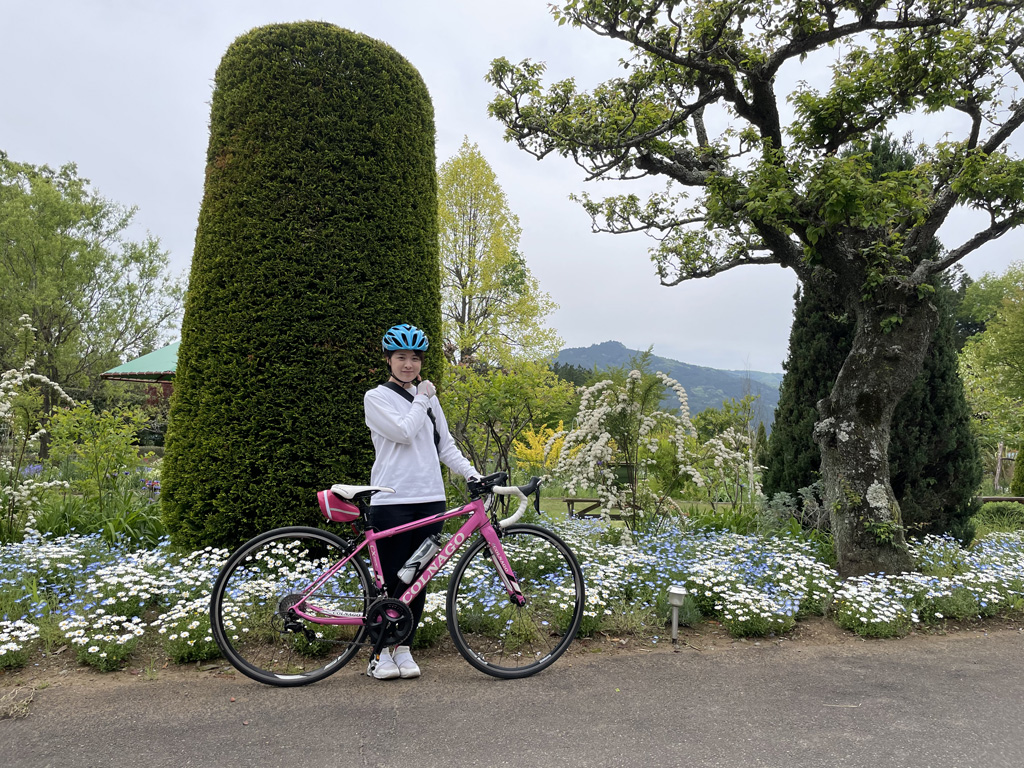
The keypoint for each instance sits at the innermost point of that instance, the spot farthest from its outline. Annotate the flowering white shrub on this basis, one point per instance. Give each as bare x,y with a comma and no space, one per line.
621,428
16,641
749,612
875,606
103,640
725,464
620,424
185,630
21,488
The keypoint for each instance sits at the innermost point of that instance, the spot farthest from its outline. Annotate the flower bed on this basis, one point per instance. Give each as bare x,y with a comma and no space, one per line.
103,601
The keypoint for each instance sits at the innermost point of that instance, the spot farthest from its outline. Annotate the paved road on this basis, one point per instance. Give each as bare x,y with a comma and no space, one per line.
949,702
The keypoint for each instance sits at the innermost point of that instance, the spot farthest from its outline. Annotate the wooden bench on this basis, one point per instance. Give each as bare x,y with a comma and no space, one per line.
589,507
586,511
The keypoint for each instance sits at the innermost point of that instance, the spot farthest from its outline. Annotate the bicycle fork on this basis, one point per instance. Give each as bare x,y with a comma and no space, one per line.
501,565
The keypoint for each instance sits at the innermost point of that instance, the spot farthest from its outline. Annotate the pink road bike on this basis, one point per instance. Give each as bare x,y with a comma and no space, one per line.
294,605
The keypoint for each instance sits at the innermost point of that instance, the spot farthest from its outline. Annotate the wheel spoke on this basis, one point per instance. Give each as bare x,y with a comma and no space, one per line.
502,638
252,609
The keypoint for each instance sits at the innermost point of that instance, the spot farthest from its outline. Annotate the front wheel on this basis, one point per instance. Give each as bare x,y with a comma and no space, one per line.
251,608
493,633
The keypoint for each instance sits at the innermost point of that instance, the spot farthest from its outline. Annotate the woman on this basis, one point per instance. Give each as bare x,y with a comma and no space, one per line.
408,438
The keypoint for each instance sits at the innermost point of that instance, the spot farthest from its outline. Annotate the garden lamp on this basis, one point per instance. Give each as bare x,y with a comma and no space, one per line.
676,596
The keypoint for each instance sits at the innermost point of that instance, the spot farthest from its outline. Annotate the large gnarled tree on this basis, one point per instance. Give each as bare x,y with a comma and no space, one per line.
758,176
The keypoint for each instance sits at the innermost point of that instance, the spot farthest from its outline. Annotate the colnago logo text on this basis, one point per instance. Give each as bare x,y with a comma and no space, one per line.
442,557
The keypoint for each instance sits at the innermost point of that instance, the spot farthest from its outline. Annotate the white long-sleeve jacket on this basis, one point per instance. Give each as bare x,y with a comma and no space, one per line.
403,439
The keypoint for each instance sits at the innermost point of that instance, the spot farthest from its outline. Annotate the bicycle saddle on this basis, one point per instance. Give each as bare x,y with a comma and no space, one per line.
353,492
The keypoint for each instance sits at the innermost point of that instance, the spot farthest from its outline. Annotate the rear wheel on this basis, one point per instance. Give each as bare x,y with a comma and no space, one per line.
251,608
493,633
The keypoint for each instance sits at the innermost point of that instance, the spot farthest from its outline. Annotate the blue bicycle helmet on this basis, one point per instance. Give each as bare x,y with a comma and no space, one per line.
404,336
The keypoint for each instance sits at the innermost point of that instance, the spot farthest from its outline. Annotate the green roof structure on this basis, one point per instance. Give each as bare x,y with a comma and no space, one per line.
157,366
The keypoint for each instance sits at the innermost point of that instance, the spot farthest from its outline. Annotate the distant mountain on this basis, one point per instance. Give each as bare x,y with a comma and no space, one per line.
705,387
773,380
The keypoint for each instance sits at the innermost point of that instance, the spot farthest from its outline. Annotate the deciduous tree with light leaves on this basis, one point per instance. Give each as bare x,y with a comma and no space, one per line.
492,305
992,361
1000,347
764,173
95,297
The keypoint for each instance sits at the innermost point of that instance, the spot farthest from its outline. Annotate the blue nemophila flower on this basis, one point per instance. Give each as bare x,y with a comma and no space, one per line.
753,585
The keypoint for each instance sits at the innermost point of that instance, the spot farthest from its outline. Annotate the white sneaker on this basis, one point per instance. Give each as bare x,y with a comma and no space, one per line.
383,668
406,666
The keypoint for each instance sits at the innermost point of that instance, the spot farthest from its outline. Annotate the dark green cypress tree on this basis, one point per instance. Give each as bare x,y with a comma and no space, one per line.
933,454
318,231
1017,483
819,341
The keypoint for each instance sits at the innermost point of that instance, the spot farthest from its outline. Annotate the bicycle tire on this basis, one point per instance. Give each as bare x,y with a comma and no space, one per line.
503,639
249,603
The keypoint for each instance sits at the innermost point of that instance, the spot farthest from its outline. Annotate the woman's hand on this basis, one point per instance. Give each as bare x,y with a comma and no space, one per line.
426,388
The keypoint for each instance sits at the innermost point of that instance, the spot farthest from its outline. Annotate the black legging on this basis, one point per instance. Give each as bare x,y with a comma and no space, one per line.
395,550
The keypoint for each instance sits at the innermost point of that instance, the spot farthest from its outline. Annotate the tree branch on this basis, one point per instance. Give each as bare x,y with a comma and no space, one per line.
663,226
927,268
998,137
718,268
687,169
948,198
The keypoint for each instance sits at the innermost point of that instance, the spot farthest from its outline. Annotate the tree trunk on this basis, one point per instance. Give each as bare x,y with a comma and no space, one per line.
48,408
853,434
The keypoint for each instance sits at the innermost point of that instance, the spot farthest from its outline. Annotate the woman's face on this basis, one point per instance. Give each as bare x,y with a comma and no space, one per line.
406,364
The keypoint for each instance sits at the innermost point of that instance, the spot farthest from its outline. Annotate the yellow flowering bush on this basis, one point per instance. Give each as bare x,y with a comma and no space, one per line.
533,449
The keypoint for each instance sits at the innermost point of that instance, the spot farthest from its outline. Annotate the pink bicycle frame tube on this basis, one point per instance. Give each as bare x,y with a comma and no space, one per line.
477,521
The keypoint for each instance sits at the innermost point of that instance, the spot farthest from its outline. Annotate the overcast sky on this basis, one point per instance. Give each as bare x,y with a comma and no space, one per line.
122,89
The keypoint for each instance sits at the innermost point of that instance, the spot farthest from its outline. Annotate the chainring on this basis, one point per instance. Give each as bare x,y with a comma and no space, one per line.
390,618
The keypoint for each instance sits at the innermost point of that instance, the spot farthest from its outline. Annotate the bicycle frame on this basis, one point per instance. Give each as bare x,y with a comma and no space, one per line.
479,520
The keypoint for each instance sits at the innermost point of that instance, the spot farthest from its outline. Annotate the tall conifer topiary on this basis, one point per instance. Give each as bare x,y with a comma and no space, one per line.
318,231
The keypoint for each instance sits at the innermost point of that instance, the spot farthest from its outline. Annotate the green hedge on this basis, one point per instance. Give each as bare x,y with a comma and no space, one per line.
317,231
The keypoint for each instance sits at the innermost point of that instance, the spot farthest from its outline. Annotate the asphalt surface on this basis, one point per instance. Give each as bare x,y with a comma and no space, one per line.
952,702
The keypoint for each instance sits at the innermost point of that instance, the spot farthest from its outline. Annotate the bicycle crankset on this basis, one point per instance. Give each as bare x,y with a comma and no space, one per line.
388,622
